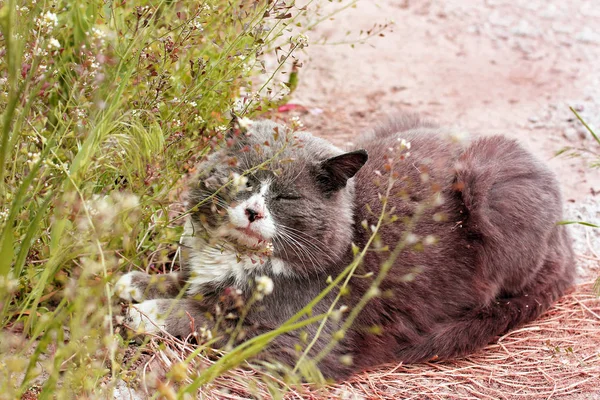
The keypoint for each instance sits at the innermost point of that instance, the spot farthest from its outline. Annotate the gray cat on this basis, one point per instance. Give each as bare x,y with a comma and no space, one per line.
277,212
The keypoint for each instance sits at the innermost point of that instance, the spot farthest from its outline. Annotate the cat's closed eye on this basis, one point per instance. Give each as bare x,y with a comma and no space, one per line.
287,196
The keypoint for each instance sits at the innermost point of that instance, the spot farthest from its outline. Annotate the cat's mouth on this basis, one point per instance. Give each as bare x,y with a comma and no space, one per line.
250,233
250,238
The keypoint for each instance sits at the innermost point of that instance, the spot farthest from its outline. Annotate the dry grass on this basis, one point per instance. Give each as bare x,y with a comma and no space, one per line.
555,357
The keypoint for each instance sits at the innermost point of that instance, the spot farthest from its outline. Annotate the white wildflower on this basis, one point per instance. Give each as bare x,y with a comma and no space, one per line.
244,123
264,286
404,144
97,33
429,240
205,334
411,238
33,158
238,182
459,136
47,22
296,122
301,41
53,43
269,249
50,18
198,25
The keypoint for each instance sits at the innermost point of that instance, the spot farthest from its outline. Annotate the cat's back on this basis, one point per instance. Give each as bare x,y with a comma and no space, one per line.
411,136
499,204
421,155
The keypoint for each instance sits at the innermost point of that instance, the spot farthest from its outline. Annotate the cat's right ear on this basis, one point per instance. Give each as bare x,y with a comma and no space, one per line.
333,173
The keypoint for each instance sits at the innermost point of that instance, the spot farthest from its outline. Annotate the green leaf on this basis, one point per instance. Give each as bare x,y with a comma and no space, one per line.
7,250
586,125
578,223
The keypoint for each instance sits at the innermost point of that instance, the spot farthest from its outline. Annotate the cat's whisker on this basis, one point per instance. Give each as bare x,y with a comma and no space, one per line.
316,250
213,200
312,252
294,249
281,244
310,255
315,244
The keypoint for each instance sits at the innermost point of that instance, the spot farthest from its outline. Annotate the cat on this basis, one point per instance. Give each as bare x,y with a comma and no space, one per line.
483,251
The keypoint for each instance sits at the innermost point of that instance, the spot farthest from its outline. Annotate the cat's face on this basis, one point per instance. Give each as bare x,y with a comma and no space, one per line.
287,192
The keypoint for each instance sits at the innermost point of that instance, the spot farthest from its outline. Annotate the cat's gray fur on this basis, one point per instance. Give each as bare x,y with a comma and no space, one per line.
499,259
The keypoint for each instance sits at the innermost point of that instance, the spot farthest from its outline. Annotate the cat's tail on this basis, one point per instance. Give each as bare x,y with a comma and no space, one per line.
479,327
503,186
511,203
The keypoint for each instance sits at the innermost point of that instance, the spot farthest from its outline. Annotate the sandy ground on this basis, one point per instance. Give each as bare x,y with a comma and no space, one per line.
510,67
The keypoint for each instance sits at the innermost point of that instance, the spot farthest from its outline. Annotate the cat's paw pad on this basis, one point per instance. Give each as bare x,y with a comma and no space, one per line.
145,317
126,288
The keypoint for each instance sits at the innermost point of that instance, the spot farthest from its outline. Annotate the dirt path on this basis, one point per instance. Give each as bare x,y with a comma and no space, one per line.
497,66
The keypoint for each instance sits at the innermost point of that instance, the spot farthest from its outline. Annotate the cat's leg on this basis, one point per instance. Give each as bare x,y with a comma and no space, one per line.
137,286
178,317
185,317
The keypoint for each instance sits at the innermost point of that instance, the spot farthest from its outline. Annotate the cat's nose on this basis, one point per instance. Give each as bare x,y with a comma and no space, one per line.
253,215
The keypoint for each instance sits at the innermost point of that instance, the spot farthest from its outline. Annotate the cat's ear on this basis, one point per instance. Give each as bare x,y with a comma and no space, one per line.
335,171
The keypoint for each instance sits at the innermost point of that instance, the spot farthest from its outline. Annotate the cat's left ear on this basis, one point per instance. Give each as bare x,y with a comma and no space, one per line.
335,171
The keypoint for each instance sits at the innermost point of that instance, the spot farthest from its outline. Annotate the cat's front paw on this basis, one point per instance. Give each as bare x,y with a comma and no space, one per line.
128,287
145,317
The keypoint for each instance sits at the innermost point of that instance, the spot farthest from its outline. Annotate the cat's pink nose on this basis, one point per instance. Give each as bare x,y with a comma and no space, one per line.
253,215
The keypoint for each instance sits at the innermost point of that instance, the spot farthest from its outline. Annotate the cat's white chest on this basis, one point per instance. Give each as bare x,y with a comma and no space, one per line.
213,266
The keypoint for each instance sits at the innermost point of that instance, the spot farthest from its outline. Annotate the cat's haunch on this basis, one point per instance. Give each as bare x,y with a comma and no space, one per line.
481,249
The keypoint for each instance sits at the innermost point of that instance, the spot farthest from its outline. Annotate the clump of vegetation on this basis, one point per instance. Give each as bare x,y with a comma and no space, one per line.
105,106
